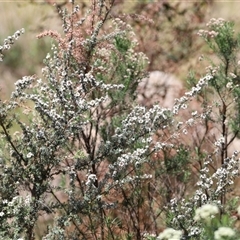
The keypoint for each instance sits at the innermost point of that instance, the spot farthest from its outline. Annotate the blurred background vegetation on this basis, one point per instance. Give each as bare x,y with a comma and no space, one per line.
166,30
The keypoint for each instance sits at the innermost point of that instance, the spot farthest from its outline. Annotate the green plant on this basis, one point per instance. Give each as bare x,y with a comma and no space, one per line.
94,164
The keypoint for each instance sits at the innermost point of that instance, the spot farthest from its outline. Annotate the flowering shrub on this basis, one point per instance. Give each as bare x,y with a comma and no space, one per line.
168,45
218,164
88,162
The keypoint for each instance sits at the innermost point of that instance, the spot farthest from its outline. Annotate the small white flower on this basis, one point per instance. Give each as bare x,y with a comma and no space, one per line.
1,214
48,56
190,122
170,234
29,155
202,56
223,233
91,179
185,131
232,75
194,113
184,106
27,200
229,85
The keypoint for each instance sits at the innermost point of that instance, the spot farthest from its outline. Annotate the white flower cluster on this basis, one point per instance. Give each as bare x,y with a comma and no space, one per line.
202,82
15,205
212,70
181,102
121,26
216,22
21,85
224,233
181,210
205,182
214,25
124,161
9,41
205,33
170,234
232,75
229,85
219,142
135,158
91,179
132,179
206,212
146,120
226,174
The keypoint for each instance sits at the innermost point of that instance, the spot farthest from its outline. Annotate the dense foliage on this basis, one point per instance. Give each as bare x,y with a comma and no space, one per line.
81,159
